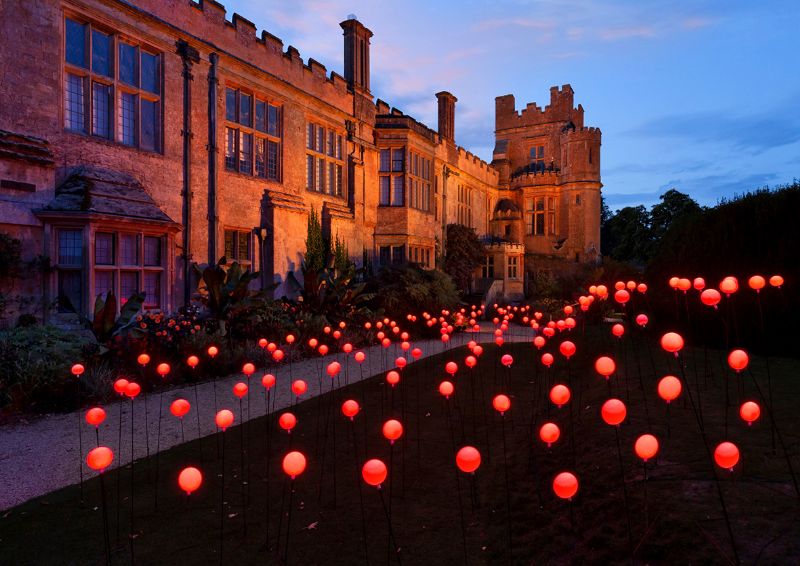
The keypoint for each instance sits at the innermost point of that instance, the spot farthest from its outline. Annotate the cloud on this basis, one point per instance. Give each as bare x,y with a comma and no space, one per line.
628,32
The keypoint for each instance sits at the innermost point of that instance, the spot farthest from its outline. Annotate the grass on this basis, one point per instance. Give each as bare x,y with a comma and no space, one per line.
684,522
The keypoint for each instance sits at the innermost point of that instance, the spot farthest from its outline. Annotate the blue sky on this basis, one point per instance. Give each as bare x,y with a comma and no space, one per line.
699,95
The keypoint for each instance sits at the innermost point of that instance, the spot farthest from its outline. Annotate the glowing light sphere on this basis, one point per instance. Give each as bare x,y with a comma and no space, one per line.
565,485
547,359
642,320
192,361
618,330
446,388
400,362
294,464
726,455
507,360
163,369
393,378
605,366
95,416
278,355
248,369
392,430
619,285
501,403
190,479
77,370
143,359
710,297
568,310
669,388
684,284
323,350
756,283
567,349
477,350
179,408
350,408
699,283
287,421
133,389
451,368
374,472
539,342
642,288
738,360
549,331
416,353
749,411
646,446
468,459
613,412
776,281
622,296
333,369
602,291
470,361
268,381
673,282
312,343
99,458
672,342
223,419
729,285
630,285
240,389
360,357
120,385
549,433
560,395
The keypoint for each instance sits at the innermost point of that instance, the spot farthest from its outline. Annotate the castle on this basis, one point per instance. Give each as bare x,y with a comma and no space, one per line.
139,138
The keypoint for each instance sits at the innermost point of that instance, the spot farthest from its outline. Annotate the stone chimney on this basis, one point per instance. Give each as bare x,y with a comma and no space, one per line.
447,115
356,54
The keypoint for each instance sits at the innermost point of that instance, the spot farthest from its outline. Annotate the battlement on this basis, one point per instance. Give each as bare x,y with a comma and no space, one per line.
472,159
528,178
590,133
206,24
560,109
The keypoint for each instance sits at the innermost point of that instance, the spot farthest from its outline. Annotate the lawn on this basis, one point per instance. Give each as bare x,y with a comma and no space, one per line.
675,516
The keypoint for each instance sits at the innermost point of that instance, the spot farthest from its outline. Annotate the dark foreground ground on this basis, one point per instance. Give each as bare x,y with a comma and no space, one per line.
676,518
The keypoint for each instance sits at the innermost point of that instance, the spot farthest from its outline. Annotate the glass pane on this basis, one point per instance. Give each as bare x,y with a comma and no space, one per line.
150,73
231,137
76,43
331,144
245,109
320,175
397,159
338,147
331,178
229,247
310,172
274,121
398,254
397,197
385,164
261,116
273,151
104,248
261,157
70,247
103,283
101,53
338,180
152,289
244,246
152,251
385,255
74,104
128,64
541,152
101,110
246,153
539,224
128,285
385,199
150,125
127,118
70,291
128,249
230,104
320,139
310,136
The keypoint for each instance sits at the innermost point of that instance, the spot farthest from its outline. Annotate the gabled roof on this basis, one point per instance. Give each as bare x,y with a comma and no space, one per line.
106,192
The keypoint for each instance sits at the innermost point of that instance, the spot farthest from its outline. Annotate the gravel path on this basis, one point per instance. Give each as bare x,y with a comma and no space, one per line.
42,456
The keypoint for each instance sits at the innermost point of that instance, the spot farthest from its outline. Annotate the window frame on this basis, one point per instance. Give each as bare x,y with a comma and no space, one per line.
258,138
396,173
326,160
419,182
237,233
115,84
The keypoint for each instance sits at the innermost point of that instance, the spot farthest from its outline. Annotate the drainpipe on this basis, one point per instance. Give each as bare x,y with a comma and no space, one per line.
188,56
212,158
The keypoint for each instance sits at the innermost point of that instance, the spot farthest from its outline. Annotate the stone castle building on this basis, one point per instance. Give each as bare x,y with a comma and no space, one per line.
138,138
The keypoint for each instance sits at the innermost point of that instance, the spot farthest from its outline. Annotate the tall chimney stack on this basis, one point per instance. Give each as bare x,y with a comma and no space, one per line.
356,54
447,115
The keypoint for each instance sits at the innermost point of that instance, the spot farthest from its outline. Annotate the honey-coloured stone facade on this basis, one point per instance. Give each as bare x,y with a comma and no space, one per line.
172,105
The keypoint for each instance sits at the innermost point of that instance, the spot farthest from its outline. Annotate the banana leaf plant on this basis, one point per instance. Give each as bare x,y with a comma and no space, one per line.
225,290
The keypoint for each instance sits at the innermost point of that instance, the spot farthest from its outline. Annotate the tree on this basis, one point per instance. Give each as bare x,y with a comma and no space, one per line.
626,236
674,206
463,255
317,248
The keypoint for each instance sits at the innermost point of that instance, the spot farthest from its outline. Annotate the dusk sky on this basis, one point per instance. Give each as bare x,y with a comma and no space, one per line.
699,95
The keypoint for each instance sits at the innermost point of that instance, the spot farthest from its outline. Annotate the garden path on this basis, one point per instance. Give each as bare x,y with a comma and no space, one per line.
41,455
